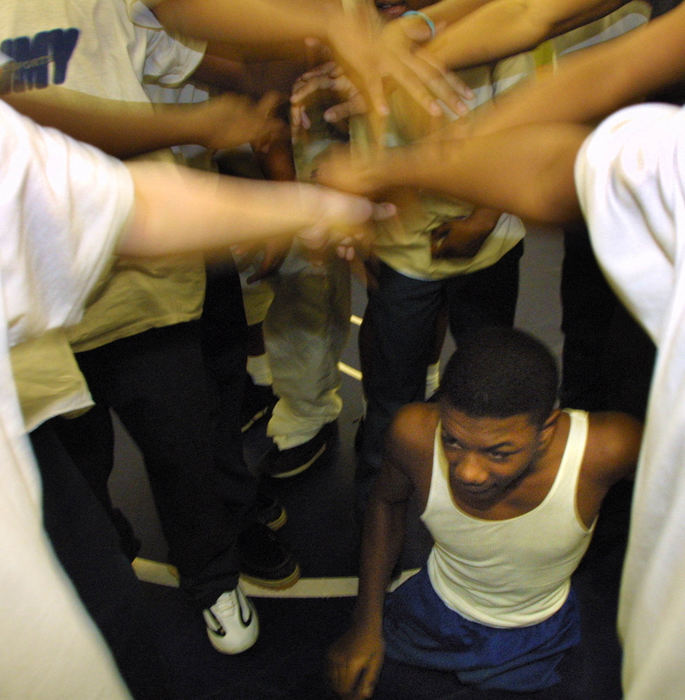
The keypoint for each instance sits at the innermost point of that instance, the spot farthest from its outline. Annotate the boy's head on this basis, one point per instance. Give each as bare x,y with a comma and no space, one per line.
500,372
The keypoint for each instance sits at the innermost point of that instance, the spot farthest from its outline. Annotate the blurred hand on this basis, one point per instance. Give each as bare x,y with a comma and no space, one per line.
351,172
324,84
368,58
230,120
463,238
274,253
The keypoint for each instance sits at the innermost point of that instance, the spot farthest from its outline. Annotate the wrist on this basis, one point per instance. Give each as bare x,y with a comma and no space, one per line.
368,621
421,22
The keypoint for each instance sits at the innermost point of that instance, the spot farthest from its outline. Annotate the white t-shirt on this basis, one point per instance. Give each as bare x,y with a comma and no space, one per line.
63,42
62,206
112,49
630,176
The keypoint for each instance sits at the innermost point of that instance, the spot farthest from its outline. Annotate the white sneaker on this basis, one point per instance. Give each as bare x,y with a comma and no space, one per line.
232,622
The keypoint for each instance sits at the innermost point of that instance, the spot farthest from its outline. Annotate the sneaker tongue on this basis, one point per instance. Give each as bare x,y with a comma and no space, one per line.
225,603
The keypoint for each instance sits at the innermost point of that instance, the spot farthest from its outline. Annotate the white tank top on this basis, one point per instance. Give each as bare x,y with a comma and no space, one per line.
514,572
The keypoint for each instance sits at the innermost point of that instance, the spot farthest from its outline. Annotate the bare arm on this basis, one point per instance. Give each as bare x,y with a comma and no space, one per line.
521,156
126,129
611,454
122,129
502,28
353,38
169,199
243,23
527,171
356,658
597,81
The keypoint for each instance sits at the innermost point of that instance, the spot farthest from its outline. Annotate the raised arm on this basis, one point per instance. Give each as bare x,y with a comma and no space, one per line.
611,454
169,200
352,36
521,153
599,80
527,171
502,28
127,129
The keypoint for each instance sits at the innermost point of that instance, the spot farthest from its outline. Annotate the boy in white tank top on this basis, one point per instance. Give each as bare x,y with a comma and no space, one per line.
510,488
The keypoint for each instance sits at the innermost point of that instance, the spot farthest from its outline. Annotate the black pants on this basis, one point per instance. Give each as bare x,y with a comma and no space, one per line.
177,390
607,357
402,314
87,546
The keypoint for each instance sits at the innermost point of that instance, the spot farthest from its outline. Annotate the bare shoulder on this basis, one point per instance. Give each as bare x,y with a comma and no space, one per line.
613,446
409,441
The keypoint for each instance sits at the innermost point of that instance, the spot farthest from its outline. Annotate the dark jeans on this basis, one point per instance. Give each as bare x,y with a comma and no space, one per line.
402,314
87,546
177,390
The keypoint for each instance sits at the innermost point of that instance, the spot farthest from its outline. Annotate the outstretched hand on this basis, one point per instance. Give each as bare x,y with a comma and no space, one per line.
351,171
231,120
324,83
344,236
369,58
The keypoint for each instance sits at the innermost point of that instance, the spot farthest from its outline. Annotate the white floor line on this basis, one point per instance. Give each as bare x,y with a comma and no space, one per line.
334,587
350,371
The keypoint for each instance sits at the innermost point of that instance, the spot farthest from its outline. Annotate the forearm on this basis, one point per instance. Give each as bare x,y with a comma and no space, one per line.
503,28
178,211
122,129
597,81
449,11
382,540
527,171
246,22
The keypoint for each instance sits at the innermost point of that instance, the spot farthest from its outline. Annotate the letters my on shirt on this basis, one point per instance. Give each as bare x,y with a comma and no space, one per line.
42,60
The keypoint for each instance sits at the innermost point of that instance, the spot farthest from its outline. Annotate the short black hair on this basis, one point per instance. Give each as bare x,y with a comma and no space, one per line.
497,372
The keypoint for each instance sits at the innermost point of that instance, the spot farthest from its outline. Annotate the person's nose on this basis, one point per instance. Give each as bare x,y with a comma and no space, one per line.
471,470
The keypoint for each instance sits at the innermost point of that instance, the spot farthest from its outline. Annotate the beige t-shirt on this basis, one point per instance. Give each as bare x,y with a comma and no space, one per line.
403,242
133,296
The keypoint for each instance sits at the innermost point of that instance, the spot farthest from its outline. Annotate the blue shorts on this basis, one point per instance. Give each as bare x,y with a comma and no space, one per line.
422,631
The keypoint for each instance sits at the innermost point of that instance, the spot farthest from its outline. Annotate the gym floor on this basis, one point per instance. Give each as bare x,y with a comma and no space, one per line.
299,623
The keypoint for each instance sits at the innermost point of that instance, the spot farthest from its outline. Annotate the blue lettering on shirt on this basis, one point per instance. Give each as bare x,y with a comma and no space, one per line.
33,58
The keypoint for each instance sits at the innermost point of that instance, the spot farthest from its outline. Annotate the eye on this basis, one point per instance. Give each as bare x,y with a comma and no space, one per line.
499,455
450,442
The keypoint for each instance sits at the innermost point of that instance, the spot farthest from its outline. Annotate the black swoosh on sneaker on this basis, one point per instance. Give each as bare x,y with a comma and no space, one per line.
219,631
245,622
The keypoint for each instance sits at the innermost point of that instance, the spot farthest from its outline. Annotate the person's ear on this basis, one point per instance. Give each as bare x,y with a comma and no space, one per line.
548,427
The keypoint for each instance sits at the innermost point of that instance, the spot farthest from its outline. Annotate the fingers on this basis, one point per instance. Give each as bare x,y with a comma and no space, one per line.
268,103
384,210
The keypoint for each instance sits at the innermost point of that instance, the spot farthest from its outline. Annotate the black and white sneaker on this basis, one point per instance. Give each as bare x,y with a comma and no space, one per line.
282,464
232,622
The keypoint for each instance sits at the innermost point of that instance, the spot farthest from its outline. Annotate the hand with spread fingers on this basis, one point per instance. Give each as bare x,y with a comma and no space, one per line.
370,59
323,85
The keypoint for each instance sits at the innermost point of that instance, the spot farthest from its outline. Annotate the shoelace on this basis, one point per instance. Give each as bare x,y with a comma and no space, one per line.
226,604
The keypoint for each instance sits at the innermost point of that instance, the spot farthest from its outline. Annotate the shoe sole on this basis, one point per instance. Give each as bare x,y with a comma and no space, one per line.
278,522
274,584
302,467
